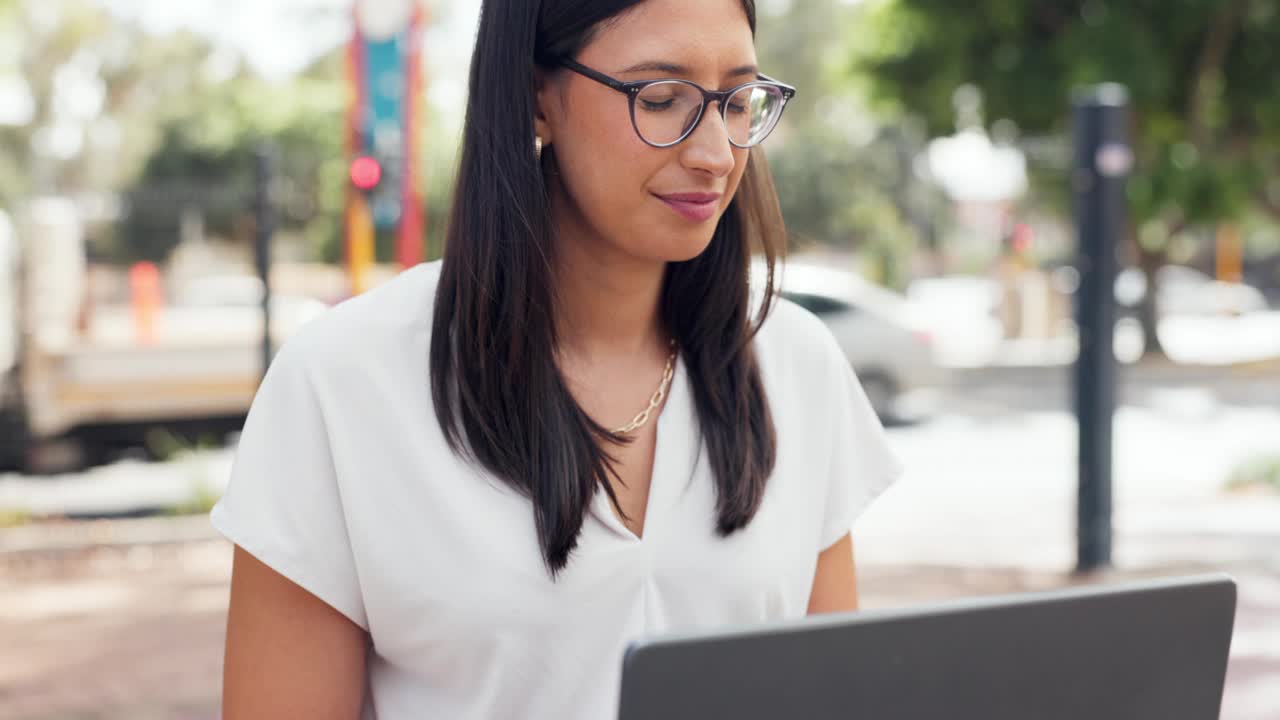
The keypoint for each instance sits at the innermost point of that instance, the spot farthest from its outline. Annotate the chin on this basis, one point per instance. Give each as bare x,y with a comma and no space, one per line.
693,248
681,246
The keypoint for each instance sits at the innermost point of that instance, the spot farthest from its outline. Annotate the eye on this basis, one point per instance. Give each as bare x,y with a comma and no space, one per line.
656,106
662,97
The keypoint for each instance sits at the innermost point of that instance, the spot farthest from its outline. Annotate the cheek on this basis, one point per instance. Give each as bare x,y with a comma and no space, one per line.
740,159
606,168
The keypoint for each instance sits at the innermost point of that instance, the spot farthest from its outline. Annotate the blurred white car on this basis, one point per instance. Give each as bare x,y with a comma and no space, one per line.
962,313
1187,291
886,343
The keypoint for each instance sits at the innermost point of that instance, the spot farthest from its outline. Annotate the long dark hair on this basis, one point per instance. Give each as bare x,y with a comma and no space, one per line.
498,393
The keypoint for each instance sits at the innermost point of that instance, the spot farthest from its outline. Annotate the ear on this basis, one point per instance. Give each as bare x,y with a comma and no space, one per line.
544,89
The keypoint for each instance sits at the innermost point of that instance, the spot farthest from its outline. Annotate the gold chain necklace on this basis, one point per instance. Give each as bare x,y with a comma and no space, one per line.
656,401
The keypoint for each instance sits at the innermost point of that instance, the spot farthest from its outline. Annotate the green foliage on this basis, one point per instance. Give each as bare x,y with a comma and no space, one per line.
845,197
138,75
843,181
192,458
206,155
203,498
182,133
205,159
1200,74
1262,471
165,445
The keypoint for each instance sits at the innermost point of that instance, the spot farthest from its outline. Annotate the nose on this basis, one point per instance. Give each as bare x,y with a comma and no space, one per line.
708,149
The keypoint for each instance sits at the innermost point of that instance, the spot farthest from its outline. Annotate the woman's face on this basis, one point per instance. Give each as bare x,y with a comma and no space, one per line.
612,187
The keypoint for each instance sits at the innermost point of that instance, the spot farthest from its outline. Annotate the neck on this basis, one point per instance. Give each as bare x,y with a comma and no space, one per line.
607,302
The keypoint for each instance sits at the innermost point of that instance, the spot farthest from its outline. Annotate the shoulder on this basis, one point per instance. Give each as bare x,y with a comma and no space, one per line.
795,347
378,328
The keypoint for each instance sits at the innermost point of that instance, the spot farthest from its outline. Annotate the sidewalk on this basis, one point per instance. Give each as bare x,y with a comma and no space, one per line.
114,632
1188,340
937,536
131,628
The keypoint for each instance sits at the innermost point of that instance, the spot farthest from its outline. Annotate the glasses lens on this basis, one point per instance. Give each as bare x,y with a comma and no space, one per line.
752,113
665,111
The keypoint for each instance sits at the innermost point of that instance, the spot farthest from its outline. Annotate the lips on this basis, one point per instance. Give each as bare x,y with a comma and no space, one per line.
695,207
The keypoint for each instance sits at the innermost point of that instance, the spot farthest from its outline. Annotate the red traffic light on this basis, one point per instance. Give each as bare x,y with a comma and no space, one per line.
1023,236
365,173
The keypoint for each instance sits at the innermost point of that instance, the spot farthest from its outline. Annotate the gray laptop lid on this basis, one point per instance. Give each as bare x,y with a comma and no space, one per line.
1151,650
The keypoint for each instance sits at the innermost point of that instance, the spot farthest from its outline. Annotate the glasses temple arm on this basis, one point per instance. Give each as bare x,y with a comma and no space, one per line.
789,89
595,75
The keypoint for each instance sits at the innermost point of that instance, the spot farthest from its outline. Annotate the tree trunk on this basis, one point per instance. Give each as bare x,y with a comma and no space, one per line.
1148,310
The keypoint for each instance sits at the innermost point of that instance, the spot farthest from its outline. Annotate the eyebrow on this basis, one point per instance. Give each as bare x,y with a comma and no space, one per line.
666,67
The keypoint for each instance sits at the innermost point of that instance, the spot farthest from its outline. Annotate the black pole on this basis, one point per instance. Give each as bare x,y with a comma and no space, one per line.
1102,160
264,171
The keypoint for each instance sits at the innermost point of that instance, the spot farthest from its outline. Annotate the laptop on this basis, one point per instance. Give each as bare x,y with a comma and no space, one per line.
1147,650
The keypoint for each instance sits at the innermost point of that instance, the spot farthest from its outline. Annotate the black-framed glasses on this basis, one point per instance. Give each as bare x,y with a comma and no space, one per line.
665,112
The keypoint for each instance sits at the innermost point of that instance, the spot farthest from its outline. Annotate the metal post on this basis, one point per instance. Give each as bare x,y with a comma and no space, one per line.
1102,160
264,171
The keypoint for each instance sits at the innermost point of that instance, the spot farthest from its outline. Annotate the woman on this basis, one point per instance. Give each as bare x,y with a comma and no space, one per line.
462,494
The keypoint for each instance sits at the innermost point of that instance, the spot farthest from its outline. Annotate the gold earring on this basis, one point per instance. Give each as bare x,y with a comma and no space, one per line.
537,146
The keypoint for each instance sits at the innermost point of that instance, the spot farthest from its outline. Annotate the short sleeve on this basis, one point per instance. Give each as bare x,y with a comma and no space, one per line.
283,504
862,464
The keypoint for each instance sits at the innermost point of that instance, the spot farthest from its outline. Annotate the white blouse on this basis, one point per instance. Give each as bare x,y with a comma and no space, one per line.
342,483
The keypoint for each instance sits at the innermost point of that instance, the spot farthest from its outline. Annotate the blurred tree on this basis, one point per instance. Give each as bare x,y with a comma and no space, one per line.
204,159
172,121
844,180
1200,74
13,92
93,83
